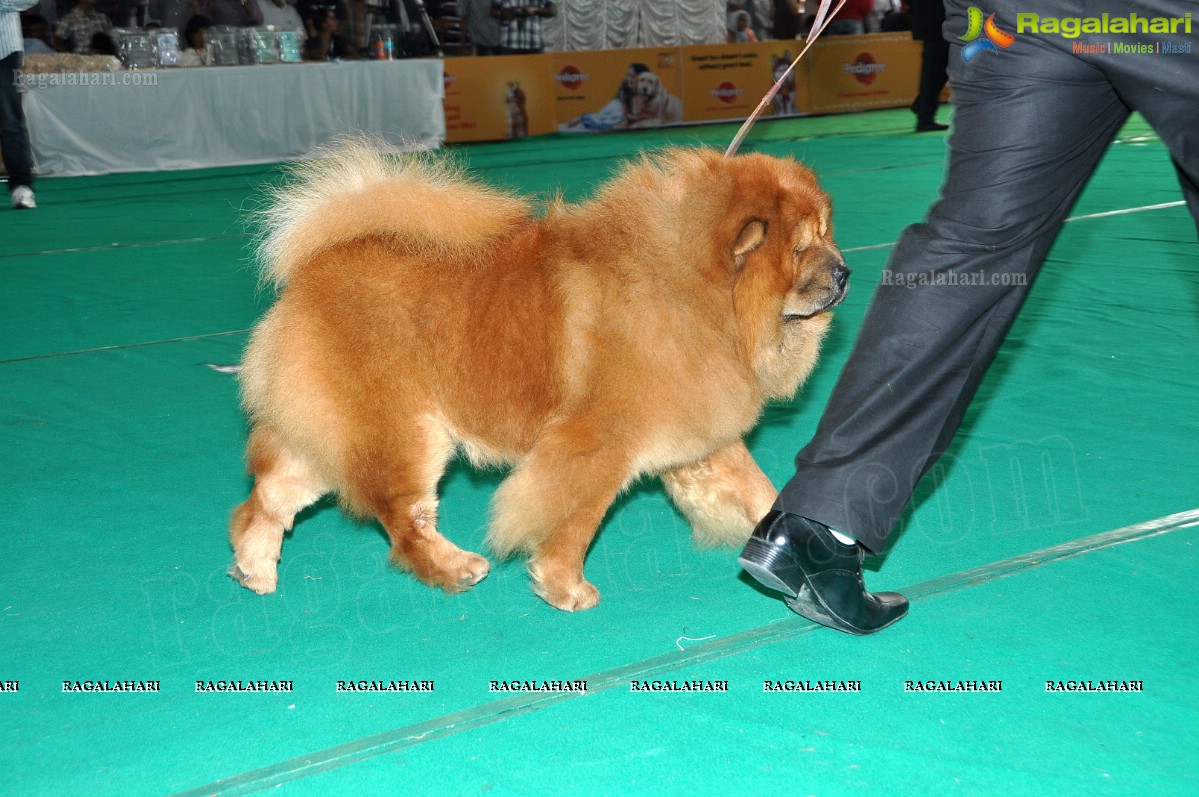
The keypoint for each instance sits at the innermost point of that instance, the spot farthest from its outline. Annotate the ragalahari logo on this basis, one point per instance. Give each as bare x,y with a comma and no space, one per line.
993,39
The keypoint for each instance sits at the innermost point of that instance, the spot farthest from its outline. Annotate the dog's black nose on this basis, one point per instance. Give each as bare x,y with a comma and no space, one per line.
841,276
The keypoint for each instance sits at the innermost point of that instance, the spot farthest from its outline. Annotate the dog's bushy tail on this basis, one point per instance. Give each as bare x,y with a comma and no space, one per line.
357,189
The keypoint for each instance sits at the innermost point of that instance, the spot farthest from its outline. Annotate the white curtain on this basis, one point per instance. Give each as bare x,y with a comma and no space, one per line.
619,24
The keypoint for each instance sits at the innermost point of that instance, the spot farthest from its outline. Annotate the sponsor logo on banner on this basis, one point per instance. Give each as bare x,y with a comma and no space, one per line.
571,78
864,68
727,92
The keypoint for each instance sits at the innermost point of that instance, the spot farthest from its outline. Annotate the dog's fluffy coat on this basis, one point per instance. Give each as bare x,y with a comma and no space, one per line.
421,313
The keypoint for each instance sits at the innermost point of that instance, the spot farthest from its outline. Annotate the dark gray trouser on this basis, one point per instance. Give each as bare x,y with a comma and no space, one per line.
933,59
14,136
1030,125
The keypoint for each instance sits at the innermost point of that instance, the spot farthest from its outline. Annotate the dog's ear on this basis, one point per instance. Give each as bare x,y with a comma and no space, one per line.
749,239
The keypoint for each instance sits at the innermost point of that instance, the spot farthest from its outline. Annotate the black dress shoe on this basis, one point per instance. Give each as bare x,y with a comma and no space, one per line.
930,127
820,577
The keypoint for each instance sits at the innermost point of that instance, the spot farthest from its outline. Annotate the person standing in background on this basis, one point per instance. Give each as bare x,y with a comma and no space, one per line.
482,28
360,17
787,19
36,33
236,13
123,13
759,17
898,17
76,30
328,44
14,135
851,19
280,14
520,24
174,13
928,16
739,28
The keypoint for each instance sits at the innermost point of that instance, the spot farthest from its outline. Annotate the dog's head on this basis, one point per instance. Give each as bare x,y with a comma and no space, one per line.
770,247
649,85
779,66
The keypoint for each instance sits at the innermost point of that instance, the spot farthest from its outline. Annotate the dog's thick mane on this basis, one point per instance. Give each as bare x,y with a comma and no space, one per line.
663,182
358,190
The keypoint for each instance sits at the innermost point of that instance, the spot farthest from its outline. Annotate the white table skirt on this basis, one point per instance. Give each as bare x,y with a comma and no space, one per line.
224,116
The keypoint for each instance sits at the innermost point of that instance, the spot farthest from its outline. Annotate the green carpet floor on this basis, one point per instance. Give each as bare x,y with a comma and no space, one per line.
122,449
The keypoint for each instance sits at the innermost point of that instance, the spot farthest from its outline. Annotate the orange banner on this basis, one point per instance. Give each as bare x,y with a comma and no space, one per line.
491,98
853,73
618,89
727,81
795,97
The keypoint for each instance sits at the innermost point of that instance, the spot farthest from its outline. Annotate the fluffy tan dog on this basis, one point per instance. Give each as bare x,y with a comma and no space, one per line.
638,333
653,105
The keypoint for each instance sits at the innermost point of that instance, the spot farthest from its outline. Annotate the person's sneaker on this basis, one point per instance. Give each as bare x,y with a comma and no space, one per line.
22,198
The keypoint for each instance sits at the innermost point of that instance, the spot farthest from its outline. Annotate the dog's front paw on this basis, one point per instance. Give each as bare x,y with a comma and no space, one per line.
569,595
443,564
467,570
574,598
262,578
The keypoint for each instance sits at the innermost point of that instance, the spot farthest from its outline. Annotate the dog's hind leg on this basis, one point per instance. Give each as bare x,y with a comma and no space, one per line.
397,482
552,505
723,496
283,485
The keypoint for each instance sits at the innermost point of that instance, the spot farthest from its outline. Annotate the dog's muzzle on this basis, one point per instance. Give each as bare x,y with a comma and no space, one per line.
837,289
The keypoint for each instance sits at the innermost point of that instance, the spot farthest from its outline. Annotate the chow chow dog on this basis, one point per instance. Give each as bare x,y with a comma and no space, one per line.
421,315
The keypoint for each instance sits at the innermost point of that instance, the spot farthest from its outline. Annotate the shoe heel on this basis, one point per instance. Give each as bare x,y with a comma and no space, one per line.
760,559
806,604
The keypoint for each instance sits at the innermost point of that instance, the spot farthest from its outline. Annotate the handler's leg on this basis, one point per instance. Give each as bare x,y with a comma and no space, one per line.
1030,125
1164,88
